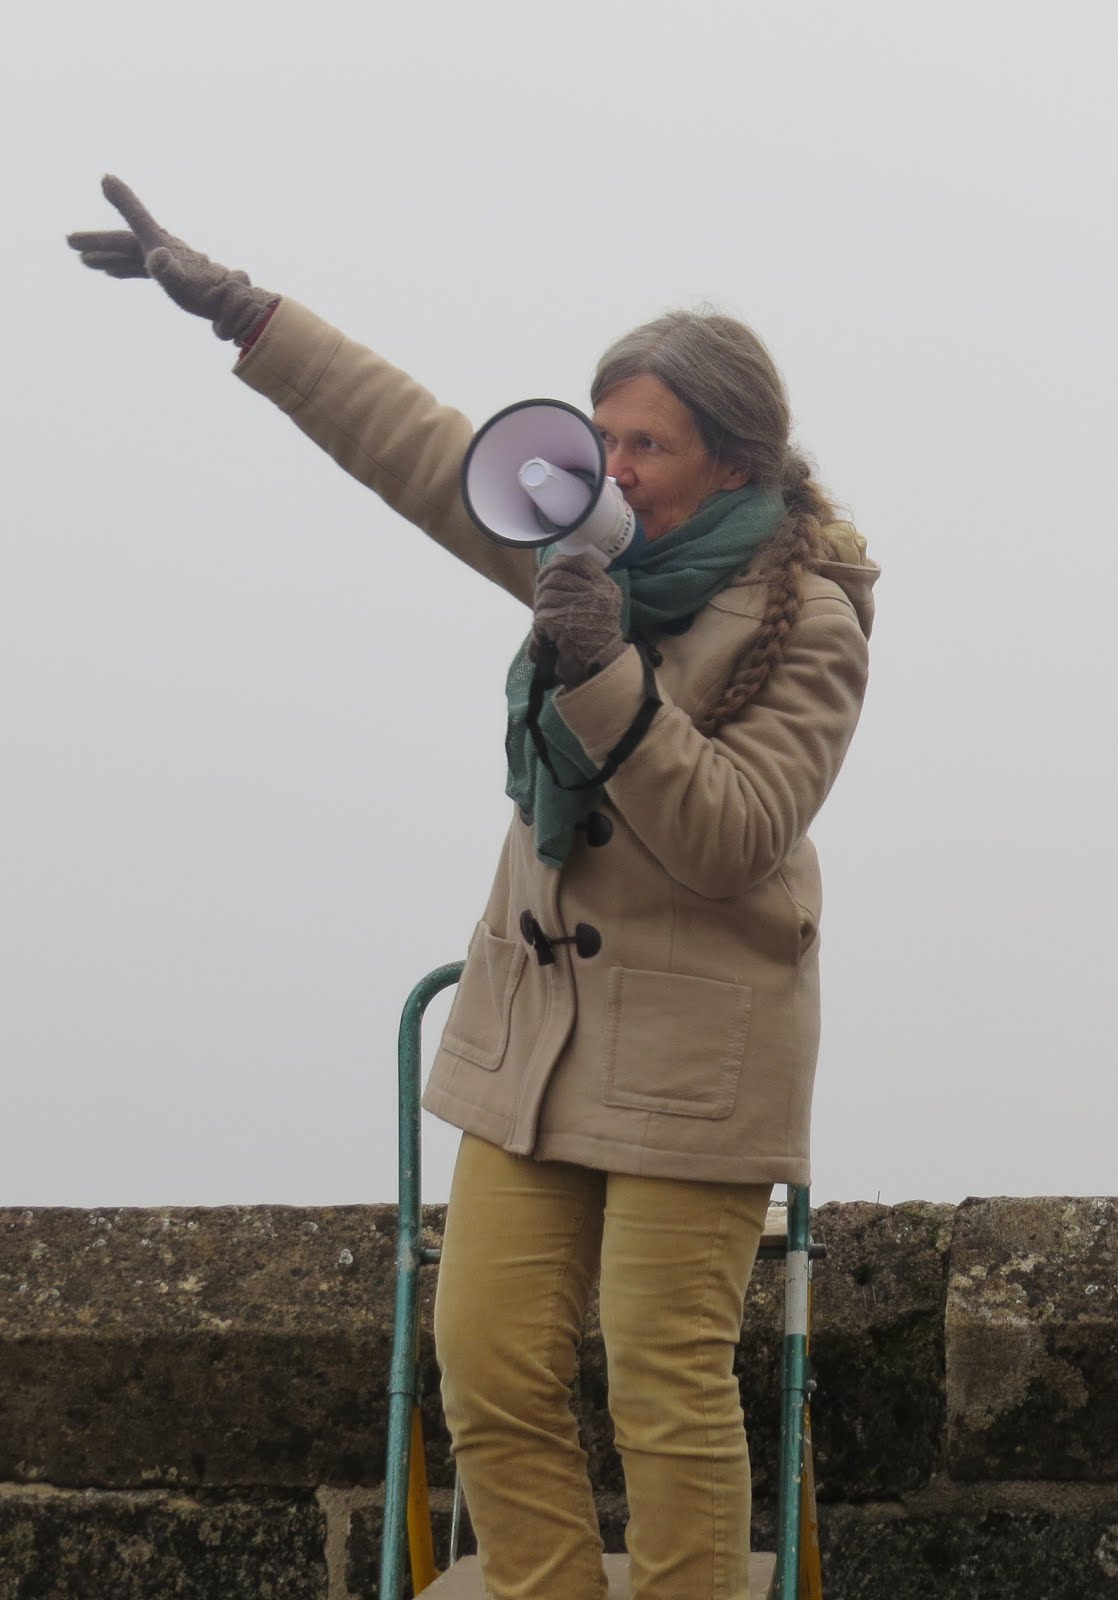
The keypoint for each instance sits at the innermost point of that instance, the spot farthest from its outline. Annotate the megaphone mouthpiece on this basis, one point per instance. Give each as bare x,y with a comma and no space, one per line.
560,495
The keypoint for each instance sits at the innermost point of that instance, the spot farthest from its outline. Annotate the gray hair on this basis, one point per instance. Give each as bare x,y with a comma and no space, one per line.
724,376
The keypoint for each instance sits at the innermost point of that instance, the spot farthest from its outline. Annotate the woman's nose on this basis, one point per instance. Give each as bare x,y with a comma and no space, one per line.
618,468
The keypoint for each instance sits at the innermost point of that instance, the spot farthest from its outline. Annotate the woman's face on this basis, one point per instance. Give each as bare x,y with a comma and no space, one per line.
655,452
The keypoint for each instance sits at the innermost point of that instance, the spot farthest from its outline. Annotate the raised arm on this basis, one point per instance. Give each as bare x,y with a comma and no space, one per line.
374,420
384,428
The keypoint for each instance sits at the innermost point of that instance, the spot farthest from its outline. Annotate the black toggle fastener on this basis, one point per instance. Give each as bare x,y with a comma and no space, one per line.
537,938
586,940
599,829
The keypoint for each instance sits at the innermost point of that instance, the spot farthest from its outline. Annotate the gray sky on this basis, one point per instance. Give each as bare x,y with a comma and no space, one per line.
253,723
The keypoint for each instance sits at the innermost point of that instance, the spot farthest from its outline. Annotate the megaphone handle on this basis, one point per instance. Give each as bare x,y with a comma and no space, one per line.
544,678
577,544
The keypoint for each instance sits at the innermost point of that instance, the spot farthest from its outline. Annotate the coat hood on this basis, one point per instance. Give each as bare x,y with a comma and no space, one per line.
845,564
849,566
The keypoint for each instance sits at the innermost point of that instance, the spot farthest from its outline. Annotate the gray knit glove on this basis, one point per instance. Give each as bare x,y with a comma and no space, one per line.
192,280
578,606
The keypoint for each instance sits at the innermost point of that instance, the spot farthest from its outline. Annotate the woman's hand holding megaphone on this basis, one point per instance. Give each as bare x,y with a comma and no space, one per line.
578,608
201,286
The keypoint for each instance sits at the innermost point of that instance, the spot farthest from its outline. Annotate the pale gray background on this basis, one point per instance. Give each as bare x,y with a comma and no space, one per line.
252,723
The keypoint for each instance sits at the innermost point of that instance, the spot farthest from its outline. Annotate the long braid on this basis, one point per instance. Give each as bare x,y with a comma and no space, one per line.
795,547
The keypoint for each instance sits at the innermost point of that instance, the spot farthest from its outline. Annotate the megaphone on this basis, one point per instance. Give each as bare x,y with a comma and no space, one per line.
535,474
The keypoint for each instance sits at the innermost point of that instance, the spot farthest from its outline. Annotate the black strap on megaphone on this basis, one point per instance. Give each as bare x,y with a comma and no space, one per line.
544,678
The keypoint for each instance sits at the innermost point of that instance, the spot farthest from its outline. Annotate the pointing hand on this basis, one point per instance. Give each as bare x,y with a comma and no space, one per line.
194,282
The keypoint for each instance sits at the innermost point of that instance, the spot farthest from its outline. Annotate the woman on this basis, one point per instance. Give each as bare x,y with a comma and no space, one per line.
631,1049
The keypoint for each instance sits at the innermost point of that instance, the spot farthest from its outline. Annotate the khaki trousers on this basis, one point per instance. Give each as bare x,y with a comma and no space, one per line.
524,1243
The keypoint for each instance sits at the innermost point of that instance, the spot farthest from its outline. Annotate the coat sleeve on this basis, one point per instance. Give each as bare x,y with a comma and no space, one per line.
721,814
385,429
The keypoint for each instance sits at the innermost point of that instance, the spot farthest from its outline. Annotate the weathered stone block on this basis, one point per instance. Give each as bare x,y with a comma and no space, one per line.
877,1348
877,1552
212,1346
1032,1340
151,1545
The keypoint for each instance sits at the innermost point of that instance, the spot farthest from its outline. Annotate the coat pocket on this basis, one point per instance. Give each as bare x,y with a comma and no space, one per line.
675,1044
477,1028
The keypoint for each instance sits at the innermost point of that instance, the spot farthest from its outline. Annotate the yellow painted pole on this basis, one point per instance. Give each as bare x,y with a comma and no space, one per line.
811,1569
421,1544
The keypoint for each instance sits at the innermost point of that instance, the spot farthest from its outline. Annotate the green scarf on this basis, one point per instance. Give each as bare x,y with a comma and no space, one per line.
666,581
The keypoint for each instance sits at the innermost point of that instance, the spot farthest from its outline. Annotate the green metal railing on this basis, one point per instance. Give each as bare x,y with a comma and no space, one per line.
794,1389
412,1254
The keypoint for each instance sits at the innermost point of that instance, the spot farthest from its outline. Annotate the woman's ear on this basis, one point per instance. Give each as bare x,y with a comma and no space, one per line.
731,477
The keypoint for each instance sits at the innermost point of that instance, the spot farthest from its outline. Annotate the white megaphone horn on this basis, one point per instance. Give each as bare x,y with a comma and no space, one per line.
535,474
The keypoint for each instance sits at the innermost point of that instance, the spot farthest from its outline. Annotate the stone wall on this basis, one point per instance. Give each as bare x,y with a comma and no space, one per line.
192,1402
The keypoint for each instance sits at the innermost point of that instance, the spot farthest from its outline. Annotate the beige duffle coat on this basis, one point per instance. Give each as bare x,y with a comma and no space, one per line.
686,1046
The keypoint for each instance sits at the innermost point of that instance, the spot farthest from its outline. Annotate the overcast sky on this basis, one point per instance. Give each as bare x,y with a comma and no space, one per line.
252,722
